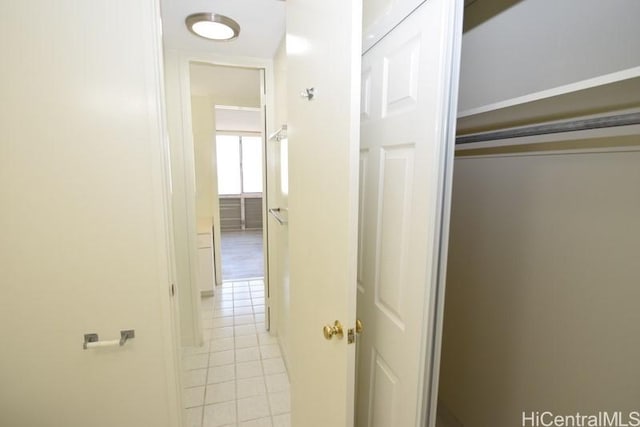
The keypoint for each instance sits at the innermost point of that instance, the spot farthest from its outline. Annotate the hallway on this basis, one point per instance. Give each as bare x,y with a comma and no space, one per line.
238,378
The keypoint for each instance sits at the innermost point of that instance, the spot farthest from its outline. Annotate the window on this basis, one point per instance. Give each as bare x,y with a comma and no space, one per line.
284,166
239,161
251,164
228,158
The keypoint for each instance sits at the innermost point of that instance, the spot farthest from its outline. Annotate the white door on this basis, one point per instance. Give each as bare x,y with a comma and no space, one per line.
84,246
409,92
323,53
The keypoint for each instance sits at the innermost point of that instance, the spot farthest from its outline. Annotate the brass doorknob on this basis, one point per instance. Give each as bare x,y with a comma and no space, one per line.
359,326
330,331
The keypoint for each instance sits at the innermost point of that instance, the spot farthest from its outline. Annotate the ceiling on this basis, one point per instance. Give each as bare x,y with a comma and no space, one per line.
262,24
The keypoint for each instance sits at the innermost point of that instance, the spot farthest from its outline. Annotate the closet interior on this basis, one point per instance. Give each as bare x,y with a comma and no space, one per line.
543,282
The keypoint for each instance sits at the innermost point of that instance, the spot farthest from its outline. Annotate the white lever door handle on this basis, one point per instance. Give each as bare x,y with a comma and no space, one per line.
93,341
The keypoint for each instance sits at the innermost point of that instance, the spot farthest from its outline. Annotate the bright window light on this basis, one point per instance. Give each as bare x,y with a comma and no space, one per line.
239,161
252,164
228,160
284,166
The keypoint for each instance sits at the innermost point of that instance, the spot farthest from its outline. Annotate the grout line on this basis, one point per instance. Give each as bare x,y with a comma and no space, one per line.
246,287
206,381
235,364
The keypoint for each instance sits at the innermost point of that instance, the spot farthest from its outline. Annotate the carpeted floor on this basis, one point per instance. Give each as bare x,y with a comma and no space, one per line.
242,256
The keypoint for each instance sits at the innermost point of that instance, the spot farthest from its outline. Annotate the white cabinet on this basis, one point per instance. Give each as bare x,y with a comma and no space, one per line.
205,263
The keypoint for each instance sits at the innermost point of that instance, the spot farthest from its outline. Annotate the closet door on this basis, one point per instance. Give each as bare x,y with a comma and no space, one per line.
379,17
85,247
408,95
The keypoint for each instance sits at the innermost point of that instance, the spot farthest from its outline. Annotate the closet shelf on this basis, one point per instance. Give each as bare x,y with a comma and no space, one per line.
611,92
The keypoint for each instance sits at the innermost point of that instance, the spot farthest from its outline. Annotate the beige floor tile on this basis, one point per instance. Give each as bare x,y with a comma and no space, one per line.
220,358
277,382
248,387
261,422
193,396
221,392
219,414
283,420
252,407
194,378
280,402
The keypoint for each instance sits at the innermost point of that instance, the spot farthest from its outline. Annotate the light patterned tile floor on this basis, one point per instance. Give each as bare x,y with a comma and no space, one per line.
237,378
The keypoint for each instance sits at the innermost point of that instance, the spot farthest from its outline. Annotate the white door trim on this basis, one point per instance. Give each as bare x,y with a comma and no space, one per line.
434,337
168,305
181,60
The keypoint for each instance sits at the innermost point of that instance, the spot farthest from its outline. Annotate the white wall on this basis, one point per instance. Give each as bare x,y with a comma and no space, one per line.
182,198
239,120
278,235
541,44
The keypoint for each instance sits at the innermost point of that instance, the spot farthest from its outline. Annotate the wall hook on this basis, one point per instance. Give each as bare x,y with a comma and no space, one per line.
308,93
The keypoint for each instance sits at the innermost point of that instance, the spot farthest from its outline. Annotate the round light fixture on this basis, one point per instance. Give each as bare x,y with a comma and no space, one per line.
213,26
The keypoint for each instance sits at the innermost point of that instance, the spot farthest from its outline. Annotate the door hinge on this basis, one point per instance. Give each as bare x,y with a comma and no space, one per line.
351,336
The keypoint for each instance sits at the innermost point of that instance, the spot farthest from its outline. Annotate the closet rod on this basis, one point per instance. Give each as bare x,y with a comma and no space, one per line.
545,129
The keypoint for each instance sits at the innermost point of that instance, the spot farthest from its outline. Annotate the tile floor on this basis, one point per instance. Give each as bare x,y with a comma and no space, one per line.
238,378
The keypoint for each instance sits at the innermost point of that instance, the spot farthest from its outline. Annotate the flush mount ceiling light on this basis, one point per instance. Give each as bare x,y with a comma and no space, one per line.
213,26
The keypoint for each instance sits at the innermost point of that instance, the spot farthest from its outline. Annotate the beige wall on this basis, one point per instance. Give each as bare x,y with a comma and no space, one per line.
542,276
182,202
203,123
280,90
278,235
84,218
540,44
226,85
542,291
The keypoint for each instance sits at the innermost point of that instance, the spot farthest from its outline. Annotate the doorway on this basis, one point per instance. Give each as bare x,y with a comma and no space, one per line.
239,158
228,130
238,375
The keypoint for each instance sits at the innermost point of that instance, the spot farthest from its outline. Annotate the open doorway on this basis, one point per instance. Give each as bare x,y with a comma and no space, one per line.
240,171
238,374
228,131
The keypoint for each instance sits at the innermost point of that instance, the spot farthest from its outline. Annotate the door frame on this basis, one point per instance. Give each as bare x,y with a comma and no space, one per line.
180,61
433,339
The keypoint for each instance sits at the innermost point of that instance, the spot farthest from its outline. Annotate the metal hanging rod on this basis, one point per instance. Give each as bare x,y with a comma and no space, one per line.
280,134
549,128
275,213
